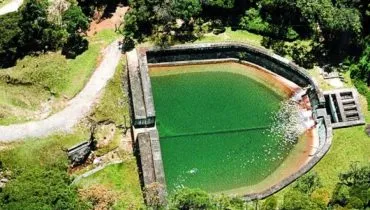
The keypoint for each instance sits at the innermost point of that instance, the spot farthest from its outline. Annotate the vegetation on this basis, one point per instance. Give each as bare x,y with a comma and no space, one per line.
121,181
115,100
38,174
33,30
47,80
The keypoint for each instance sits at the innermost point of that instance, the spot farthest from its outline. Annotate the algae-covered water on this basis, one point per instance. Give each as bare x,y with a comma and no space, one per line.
214,126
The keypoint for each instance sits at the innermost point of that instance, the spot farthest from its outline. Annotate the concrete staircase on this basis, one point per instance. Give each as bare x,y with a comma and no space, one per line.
344,108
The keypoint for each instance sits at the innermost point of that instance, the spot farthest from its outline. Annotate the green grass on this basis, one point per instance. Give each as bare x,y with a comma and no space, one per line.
115,100
229,35
41,151
350,145
123,180
37,79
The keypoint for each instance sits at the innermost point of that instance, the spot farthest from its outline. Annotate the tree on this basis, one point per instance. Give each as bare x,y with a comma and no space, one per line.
352,191
270,203
186,199
9,31
76,23
295,199
75,20
37,33
37,188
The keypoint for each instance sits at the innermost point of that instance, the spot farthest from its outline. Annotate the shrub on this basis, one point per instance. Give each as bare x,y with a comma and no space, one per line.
75,46
308,183
187,199
99,196
363,89
40,188
279,47
252,21
302,56
270,203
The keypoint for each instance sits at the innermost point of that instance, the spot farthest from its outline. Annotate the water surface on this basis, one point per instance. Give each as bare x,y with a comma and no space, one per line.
214,127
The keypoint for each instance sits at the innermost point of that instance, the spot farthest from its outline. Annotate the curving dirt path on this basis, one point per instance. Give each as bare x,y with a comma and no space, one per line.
10,7
76,109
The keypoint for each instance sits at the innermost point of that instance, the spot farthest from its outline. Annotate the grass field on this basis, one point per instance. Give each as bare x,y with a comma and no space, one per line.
122,180
229,35
40,85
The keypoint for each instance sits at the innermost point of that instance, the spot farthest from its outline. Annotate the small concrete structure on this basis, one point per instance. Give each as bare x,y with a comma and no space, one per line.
143,113
344,108
79,153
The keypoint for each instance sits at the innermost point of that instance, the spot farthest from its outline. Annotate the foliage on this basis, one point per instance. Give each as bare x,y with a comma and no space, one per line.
75,20
353,189
187,199
308,183
99,196
33,30
253,21
301,194
295,199
270,203
75,46
302,56
40,188
39,177
9,31
37,33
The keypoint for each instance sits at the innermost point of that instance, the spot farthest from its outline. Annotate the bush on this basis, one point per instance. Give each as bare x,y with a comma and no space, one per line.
252,21
363,89
353,189
295,199
302,56
75,46
270,203
308,183
40,188
187,199
279,47
9,31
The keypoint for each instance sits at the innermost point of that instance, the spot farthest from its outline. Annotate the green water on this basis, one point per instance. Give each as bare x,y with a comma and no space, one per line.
213,128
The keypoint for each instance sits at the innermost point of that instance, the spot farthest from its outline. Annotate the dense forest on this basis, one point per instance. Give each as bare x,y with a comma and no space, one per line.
337,30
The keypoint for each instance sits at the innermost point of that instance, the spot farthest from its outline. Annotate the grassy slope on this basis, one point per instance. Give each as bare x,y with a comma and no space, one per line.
349,145
114,100
63,77
122,179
